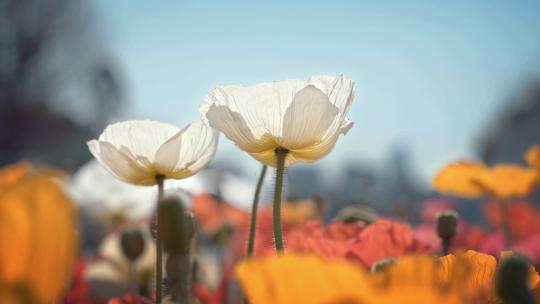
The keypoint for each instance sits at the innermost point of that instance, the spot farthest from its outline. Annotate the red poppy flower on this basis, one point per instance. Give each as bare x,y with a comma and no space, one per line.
385,239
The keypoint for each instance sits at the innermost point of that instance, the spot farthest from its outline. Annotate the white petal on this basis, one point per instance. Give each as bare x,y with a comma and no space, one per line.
254,117
188,151
314,152
235,127
346,126
307,119
140,137
261,106
340,92
167,155
199,144
121,165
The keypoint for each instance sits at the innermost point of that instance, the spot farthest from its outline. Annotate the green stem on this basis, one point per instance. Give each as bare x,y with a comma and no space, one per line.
159,244
281,154
253,224
445,246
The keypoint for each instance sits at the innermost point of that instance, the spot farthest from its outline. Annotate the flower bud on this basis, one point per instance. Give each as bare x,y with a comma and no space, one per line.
512,280
132,243
177,226
447,222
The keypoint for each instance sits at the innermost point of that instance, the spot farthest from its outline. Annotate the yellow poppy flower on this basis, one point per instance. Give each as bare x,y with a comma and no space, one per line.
461,178
12,174
532,156
507,181
37,238
473,180
296,278
413,279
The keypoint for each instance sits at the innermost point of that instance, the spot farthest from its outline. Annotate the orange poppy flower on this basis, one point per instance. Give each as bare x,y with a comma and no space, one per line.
212,215
472,273
37,238
332,242
354,241
297,278
461,179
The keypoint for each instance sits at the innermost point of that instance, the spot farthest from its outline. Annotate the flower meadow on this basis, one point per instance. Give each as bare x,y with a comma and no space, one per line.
160,239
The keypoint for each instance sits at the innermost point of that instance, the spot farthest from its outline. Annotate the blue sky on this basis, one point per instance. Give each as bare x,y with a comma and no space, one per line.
429,74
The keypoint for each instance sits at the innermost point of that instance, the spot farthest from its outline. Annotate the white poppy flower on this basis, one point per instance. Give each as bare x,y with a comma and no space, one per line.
103,195
137,151
305,118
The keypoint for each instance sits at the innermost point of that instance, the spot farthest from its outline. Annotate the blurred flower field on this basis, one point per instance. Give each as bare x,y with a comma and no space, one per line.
129,228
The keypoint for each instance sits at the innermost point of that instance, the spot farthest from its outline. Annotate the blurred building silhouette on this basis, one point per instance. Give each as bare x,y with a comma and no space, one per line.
57,85
516,128
304,182
392,189
399,192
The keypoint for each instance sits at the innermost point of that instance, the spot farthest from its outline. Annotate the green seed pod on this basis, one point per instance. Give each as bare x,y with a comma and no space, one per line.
511,280
176,224
447,222
132,243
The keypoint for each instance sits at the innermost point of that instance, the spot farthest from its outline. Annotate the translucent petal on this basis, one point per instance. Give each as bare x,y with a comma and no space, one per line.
262,106
168,154
198,146
121,165
307,119
141,137
340,92
235,127
260,118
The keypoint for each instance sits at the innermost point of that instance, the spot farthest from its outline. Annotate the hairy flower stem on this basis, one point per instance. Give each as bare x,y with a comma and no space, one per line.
507,238
254,209
159,244
281,154
445,246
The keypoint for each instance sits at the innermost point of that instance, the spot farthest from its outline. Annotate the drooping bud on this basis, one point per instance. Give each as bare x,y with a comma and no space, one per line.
511,280
177,225
132,243
383,264
447,222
